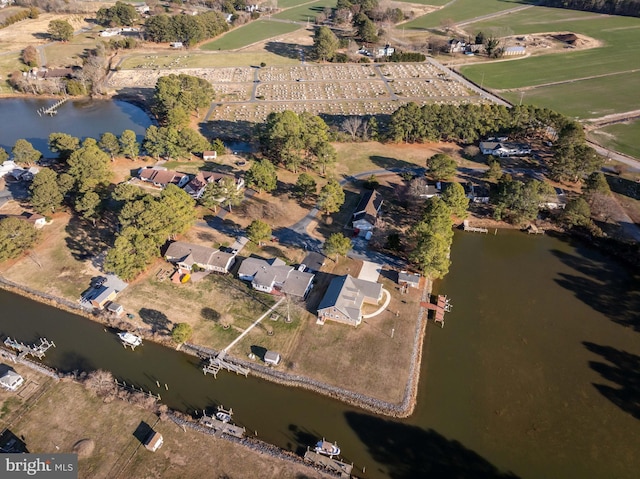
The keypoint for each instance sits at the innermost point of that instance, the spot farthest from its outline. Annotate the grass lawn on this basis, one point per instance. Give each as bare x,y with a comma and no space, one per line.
68,413
435,3
620,36
306,12
585,98
250,33
461,10
290,3
622,137
209,60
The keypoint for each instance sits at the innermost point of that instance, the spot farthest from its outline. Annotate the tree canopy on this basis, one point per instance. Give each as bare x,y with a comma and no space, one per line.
45,192
516,201
24,153
455,197
325,44
433,236
337,244
63,144
441,167
262,176
121,14
89,167
181,332
60,30
258,231
16,235
331,197
180,91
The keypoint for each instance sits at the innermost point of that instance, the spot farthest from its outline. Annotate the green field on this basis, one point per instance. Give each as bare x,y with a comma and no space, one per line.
435,3
305,12
208,60
281,4
585,98
623,137
250,33
462,10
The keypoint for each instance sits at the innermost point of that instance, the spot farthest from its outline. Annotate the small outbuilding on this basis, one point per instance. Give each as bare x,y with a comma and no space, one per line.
271,357
154,441
11,380
115,308
408,279
209,155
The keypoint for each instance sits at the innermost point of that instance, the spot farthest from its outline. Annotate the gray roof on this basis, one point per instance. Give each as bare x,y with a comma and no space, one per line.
405,277
346,294
10,377
251,266
190,254
368,207
314,261
297,283
268,272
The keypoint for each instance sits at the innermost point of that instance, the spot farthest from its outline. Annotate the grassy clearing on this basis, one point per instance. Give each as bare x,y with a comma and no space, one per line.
461,10
435,3
620,35
69,413
250,33
306,12
585,98
622,137
290,3
209,60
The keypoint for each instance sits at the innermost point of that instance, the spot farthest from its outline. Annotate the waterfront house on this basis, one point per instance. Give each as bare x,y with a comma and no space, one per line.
106,292
154,441
161,177
366,213
10,380
345,298
186,255
199,183
274,276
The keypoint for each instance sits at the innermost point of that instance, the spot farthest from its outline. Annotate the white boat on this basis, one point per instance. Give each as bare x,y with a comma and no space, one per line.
130,339
223,416
327,449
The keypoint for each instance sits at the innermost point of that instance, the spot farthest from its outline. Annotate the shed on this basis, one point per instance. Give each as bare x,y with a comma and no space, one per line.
154,441
115,308
408,279
209,155
271,357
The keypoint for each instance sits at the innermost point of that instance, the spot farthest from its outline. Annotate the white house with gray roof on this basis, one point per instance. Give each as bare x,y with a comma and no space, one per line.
344,299
186,255
274,276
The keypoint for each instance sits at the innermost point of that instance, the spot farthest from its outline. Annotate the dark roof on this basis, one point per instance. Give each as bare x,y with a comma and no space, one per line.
314,261
368,207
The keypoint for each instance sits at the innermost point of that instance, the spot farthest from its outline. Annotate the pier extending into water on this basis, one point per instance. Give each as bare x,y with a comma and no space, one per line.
333,465
222,427
442,305
467,227
216,363
36,350
52,110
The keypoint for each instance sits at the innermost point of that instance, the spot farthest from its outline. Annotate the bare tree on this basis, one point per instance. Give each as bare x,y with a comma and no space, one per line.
351,125
102,383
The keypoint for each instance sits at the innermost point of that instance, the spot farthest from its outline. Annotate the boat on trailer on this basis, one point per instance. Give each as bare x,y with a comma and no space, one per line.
130,339
326,448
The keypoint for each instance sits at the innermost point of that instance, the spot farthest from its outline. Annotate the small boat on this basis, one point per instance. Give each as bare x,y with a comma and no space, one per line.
130,339
327,449
223,416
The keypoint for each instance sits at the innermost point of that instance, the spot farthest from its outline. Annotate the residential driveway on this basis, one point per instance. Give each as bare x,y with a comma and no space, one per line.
370,271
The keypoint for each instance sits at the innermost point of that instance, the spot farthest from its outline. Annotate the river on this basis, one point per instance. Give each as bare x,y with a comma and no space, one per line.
536,373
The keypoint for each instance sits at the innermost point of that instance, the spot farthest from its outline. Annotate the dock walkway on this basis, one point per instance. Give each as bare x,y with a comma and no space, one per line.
221,428
467,227
36,350
333,465
443,305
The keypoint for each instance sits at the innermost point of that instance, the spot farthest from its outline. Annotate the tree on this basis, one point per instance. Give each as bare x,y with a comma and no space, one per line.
218,146
258,231
577,213
63,144
227,192
131,254
87,205
337,244
65,183
24,153
352,126
3,155
129,145
154,143
573,159
45,192
16,235
455,197
331,197
433,237
60,30
121,14
516,201
30,56
495,170
127,192
89,166
325,155
306,185
441,167
596,183
110,144
262,176
325,44
181,332
367,31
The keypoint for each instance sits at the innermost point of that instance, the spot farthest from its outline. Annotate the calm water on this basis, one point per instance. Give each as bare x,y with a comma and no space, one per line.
80,118
537,371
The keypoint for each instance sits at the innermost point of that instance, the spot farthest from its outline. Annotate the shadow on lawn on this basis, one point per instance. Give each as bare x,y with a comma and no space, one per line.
621,368
157,320
410,451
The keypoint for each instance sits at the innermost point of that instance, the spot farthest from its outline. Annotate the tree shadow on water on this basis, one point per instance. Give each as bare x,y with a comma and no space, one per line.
623,369
604,285
157,320
410,452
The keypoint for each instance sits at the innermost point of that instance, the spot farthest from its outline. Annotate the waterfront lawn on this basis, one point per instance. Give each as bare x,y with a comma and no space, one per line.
622,137
250,33
69,413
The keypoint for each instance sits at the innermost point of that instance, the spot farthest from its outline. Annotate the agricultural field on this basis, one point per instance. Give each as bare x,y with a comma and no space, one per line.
305,12
435,3
622,137
583,83
250,33
462,10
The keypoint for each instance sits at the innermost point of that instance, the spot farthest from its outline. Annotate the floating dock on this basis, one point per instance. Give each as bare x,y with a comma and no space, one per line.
219,362
36,350
467,227
443,305
329,463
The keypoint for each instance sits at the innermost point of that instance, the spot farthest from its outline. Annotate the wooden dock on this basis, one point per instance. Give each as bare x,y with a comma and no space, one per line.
534,230
221,428
219,362
36,350
442,305
52,110
331,464
467,227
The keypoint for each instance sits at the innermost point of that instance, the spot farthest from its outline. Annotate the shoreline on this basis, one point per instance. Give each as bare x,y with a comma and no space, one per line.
403,409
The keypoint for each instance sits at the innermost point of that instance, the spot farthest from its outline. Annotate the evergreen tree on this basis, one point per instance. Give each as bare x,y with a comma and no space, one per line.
181,332
63,144
60,30
577,213
16,236
337,244
109,144
331,197
433,237
87,205
258,231
131,254
306,185
262,176
3,155
441,167
89,167
45,192
455,197
325,44
129,145
24,153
